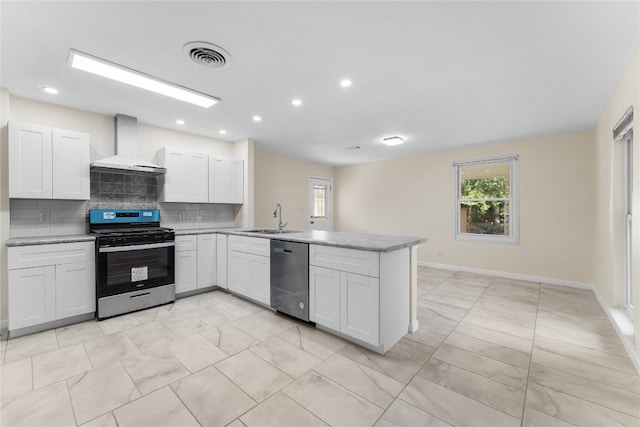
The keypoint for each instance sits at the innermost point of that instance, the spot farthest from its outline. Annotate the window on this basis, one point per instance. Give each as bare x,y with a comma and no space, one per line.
319,201
486,206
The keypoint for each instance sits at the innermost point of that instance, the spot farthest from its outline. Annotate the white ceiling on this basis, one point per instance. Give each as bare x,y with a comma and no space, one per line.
441,74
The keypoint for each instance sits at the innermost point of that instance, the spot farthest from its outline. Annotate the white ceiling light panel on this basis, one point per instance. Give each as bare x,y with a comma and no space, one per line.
110,70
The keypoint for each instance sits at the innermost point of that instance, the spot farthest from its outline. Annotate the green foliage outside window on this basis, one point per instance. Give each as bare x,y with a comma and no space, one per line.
486,216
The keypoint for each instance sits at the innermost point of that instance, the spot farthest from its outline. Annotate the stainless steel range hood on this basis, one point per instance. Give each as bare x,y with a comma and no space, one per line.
126,158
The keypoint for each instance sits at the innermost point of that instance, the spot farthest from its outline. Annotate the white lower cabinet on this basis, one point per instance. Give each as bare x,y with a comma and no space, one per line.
207,265
238,263
50,282
185,271
345,302
73,296
221,260
260,278
32,296
196,262
249,267
360,308
324,291
362,295
186,263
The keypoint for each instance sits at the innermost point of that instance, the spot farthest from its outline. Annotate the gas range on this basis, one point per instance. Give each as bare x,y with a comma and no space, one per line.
134,260
132,236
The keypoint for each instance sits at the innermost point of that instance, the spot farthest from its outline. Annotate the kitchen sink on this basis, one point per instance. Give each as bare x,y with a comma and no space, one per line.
269,231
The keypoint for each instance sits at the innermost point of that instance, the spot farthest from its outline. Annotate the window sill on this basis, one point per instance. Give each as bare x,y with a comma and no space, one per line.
487,238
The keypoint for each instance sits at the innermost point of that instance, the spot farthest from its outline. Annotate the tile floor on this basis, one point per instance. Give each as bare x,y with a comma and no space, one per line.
489,352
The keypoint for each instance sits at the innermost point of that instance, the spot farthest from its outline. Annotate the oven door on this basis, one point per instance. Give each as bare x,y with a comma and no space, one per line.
122,269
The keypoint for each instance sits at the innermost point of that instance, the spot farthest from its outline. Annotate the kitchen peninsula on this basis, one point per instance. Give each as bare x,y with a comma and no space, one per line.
362,287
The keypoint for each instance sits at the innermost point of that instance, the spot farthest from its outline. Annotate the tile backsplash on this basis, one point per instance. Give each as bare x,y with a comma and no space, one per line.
112,190
196,215
119,190
31,218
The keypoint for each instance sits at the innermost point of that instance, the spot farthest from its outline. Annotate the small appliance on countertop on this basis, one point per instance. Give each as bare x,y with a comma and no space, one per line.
134,260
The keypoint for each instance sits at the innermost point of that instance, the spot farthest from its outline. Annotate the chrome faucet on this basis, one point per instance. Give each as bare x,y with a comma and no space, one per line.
277,213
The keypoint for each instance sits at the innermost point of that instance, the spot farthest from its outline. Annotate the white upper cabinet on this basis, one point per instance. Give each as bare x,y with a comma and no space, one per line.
70,165
236,181
199,172
46,163
216,179
200,178
226,180
187,176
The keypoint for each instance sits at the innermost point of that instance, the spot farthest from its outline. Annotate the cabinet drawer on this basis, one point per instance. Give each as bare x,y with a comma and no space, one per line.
259,246
42,255
238,243
350,260
186,243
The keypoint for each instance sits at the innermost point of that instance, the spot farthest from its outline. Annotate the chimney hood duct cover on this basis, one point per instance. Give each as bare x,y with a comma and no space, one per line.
126,158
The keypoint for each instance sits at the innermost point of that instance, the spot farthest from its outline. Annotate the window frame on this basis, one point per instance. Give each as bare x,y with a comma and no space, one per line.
513,200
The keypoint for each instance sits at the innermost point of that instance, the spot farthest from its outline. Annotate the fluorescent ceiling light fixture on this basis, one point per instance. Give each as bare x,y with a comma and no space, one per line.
180,122
296,102
345,83
257,118
101,67
51,90
393,140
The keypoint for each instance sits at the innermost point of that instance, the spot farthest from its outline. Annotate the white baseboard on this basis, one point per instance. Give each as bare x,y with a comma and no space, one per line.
635,359
413,326
506,275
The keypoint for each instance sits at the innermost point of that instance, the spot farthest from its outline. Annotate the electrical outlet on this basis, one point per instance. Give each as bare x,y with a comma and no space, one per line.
181,215
43,216
440,252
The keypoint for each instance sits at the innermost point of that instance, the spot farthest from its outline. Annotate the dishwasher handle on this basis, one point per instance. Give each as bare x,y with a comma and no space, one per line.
282,250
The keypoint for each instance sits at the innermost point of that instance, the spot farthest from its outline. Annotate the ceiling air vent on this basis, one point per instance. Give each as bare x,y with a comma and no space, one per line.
207,54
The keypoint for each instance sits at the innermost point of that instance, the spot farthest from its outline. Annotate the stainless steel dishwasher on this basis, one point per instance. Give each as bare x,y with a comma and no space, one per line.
290,278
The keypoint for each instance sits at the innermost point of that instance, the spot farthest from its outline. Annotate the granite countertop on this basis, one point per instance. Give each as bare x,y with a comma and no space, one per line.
367,242
192,231
49,240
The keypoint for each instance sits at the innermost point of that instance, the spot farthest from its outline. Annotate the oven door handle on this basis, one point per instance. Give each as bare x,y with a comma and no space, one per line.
136,247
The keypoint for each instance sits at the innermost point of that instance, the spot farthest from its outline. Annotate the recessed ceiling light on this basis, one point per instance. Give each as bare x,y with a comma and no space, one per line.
101,67
345,83
257,118
222,132
296,102
51,90
180,122
393,140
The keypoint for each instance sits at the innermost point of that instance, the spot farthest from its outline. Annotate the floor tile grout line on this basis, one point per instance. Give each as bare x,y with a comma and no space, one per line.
591,363
236,385
475,373
478,299
526,389
427,361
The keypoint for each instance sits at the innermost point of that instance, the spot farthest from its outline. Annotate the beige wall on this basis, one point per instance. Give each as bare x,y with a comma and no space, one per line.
284,180
415,196
608,261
